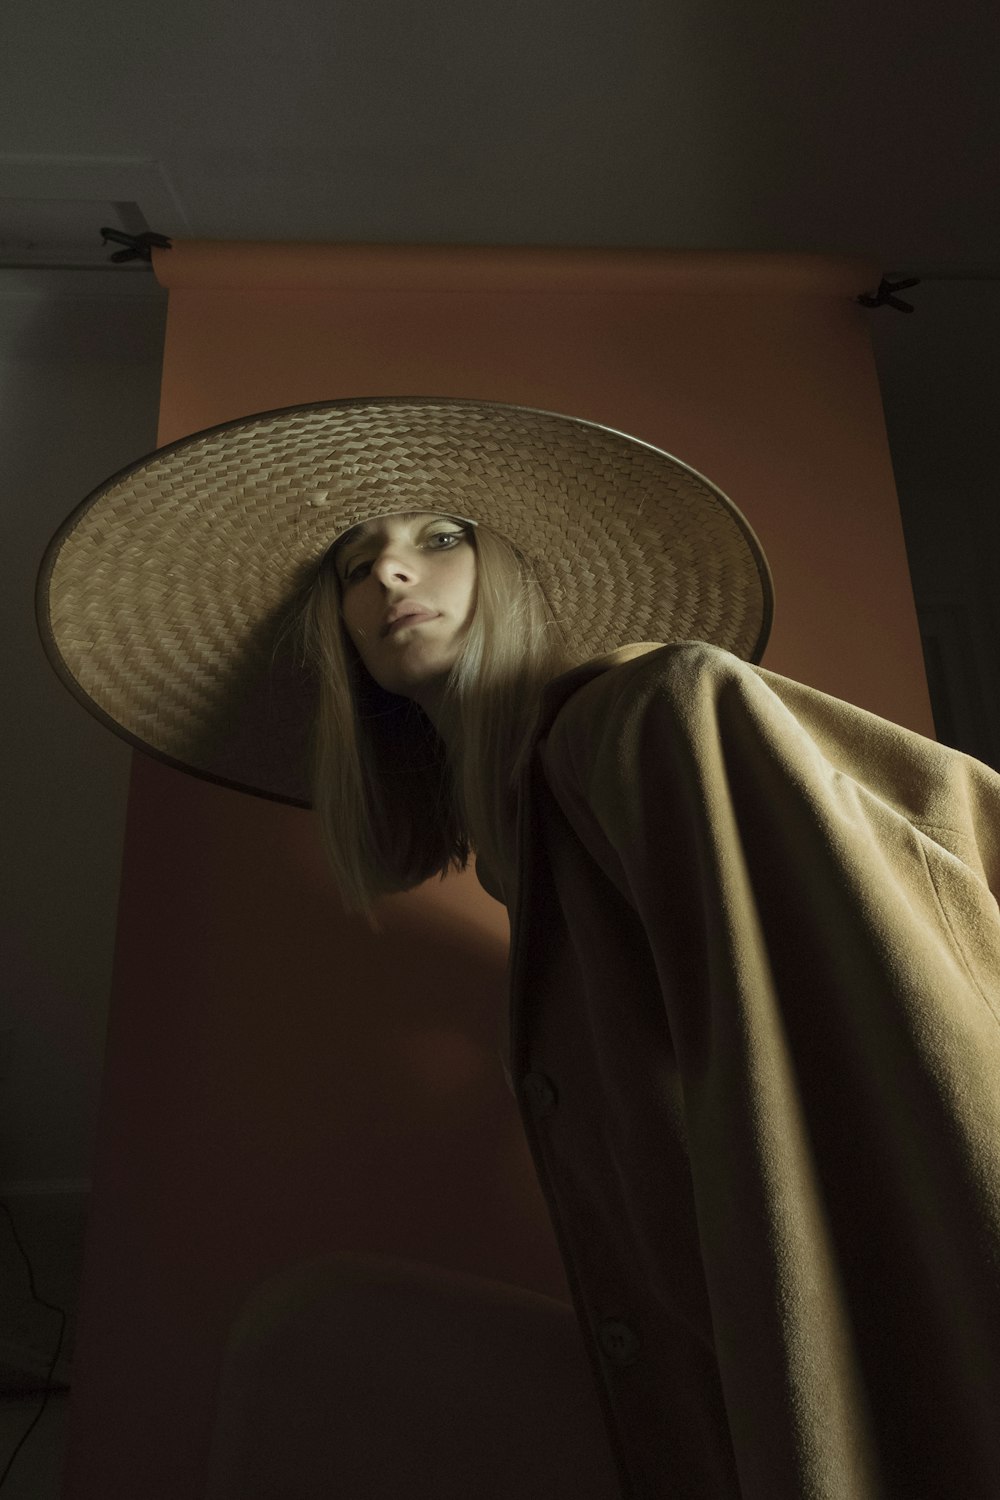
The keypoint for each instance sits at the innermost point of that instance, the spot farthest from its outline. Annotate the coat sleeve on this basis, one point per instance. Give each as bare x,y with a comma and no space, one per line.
814,885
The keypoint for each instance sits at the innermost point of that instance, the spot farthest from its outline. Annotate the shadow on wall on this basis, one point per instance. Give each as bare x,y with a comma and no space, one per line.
940,378
80,360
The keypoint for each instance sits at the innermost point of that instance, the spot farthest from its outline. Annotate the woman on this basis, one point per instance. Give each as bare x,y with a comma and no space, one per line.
755,1020
445,692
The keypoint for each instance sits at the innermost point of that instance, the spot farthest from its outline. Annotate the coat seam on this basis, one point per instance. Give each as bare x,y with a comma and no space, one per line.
956,942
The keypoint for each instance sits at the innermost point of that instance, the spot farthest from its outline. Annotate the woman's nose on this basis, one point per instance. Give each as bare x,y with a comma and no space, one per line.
391,566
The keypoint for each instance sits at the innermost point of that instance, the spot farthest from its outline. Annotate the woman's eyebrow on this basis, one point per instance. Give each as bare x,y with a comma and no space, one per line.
364,528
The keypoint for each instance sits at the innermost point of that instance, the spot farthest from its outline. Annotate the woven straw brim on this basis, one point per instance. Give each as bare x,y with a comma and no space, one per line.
162,599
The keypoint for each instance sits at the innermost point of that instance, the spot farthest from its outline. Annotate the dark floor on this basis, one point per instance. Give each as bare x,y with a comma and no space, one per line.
37,1469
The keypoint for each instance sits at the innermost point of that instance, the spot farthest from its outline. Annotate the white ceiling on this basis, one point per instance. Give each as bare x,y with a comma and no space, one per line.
863,128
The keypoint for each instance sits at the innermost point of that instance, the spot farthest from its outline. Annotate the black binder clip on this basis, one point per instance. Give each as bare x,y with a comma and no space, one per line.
140,246
884,296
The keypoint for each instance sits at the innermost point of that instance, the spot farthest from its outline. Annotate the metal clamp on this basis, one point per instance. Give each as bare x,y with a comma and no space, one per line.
884,295
140,246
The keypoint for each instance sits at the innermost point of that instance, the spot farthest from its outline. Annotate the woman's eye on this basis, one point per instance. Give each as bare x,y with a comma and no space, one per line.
446,538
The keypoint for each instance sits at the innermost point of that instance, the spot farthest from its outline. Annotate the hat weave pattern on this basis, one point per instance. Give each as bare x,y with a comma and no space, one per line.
162,597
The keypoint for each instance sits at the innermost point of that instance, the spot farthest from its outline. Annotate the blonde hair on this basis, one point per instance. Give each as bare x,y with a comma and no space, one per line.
393,807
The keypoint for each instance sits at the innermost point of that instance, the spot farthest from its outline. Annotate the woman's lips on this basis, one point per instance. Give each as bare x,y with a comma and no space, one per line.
414,619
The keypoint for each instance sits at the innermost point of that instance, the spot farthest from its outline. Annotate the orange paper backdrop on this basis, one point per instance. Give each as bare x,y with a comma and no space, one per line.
279,1083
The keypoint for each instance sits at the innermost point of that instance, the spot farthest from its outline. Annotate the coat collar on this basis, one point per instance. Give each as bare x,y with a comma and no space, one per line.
562,688
554,695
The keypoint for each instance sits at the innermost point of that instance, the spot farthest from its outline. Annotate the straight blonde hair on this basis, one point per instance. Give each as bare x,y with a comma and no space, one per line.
394,808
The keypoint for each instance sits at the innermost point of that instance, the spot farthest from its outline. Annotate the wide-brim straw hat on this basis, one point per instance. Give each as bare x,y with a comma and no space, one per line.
163,600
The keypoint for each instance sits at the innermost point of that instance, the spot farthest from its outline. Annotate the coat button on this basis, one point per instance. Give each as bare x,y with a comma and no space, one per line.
540,1093
620,1342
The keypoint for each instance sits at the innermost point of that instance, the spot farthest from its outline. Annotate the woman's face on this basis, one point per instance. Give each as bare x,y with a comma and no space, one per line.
407,590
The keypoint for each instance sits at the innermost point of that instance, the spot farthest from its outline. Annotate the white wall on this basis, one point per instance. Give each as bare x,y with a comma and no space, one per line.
80,356
939,368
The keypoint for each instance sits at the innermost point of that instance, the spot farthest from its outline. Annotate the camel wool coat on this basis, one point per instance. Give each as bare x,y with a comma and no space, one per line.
755,1040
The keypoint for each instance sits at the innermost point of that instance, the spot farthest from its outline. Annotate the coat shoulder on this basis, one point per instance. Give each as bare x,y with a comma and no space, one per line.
610,689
